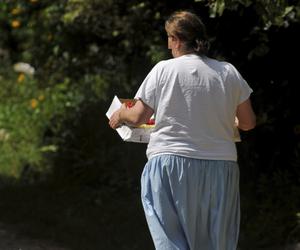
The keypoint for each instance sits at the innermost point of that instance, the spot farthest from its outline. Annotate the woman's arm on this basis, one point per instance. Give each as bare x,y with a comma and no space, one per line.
246,116
139,114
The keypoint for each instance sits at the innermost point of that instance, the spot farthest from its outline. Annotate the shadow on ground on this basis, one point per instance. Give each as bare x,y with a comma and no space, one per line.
76,218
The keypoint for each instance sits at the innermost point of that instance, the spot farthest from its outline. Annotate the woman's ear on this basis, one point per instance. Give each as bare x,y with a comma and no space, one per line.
177,43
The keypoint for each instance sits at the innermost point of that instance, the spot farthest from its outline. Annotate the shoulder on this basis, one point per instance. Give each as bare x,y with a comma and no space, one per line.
217,63
164,65
226,66
222,68
231,73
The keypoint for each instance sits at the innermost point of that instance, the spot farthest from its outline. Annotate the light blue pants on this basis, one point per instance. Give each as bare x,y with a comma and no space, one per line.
191,204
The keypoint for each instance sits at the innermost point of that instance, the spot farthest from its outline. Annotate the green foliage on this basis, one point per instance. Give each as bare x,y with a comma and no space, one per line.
76,48
74,38
277,13
26,112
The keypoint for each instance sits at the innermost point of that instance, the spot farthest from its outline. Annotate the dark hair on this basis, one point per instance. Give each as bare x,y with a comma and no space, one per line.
188,28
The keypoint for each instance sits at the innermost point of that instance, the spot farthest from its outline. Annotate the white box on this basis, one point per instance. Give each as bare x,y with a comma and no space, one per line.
131,134
141,134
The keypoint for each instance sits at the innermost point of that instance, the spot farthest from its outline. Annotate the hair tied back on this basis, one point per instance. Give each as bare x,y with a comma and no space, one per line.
201,46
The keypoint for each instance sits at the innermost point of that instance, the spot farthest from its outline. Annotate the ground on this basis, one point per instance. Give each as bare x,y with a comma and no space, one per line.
47,218
10,240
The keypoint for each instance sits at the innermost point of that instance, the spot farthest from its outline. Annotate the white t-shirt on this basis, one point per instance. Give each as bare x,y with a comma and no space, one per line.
194,101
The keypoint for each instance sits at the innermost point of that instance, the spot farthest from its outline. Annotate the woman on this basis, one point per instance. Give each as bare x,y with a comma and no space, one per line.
190,184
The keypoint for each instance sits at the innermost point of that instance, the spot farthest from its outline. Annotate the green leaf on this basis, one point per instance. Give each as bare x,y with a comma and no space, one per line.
217,8
49,148
287,10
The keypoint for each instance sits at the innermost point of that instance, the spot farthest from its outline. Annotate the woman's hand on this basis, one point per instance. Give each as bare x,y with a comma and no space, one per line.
115,120
133,116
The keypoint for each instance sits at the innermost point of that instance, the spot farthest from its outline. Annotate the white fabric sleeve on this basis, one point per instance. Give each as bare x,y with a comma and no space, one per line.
242,89
147,90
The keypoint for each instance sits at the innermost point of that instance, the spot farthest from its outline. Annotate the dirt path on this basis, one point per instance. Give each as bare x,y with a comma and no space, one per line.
10,240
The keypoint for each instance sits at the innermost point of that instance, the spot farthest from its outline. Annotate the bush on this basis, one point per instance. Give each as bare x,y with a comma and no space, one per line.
27,111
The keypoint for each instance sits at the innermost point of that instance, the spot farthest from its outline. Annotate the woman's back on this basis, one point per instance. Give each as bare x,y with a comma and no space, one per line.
195,105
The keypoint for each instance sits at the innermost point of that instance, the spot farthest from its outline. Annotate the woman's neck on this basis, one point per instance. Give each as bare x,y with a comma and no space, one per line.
182,53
